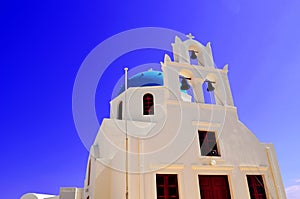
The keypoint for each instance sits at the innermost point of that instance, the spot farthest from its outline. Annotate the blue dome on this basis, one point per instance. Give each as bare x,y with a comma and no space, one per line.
147,78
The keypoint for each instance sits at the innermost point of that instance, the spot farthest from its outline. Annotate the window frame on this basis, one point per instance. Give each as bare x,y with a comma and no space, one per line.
256,194
200,143
166,186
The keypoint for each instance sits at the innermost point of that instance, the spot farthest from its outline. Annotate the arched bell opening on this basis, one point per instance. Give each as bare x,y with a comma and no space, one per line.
186,86
208,88
195,55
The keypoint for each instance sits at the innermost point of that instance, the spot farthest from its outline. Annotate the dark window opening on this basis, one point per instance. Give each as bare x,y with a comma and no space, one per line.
89,173
208,143
167,186
256,187
214,187
148,104
120,111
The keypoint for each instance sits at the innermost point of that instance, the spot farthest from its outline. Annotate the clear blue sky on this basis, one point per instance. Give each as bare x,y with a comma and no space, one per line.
43,44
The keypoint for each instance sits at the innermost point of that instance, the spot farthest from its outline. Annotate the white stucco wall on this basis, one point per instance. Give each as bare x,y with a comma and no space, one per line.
175,149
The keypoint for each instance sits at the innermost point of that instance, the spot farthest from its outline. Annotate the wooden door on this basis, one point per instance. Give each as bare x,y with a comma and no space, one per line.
214,187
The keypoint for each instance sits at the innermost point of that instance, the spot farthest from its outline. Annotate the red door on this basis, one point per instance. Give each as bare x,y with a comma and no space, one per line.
214,187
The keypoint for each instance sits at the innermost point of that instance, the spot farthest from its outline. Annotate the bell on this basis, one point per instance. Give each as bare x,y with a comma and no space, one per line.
184,84
193,54
210,87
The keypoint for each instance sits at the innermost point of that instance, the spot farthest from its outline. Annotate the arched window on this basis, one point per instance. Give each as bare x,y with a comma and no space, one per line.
120,110
148,104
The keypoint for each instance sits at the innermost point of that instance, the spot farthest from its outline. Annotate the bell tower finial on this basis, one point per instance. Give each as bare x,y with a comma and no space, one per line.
190,36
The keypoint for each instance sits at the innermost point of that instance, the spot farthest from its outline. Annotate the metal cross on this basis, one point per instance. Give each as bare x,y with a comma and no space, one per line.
190,36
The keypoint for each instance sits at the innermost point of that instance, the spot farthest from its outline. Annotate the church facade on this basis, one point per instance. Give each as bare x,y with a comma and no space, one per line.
175,134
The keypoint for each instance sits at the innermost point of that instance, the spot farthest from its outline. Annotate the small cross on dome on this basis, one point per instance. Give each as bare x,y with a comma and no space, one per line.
190,36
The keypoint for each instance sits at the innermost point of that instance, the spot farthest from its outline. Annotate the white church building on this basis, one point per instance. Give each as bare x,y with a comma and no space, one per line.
175,134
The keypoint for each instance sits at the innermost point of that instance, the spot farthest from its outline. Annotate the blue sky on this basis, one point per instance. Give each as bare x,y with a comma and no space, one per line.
43,44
